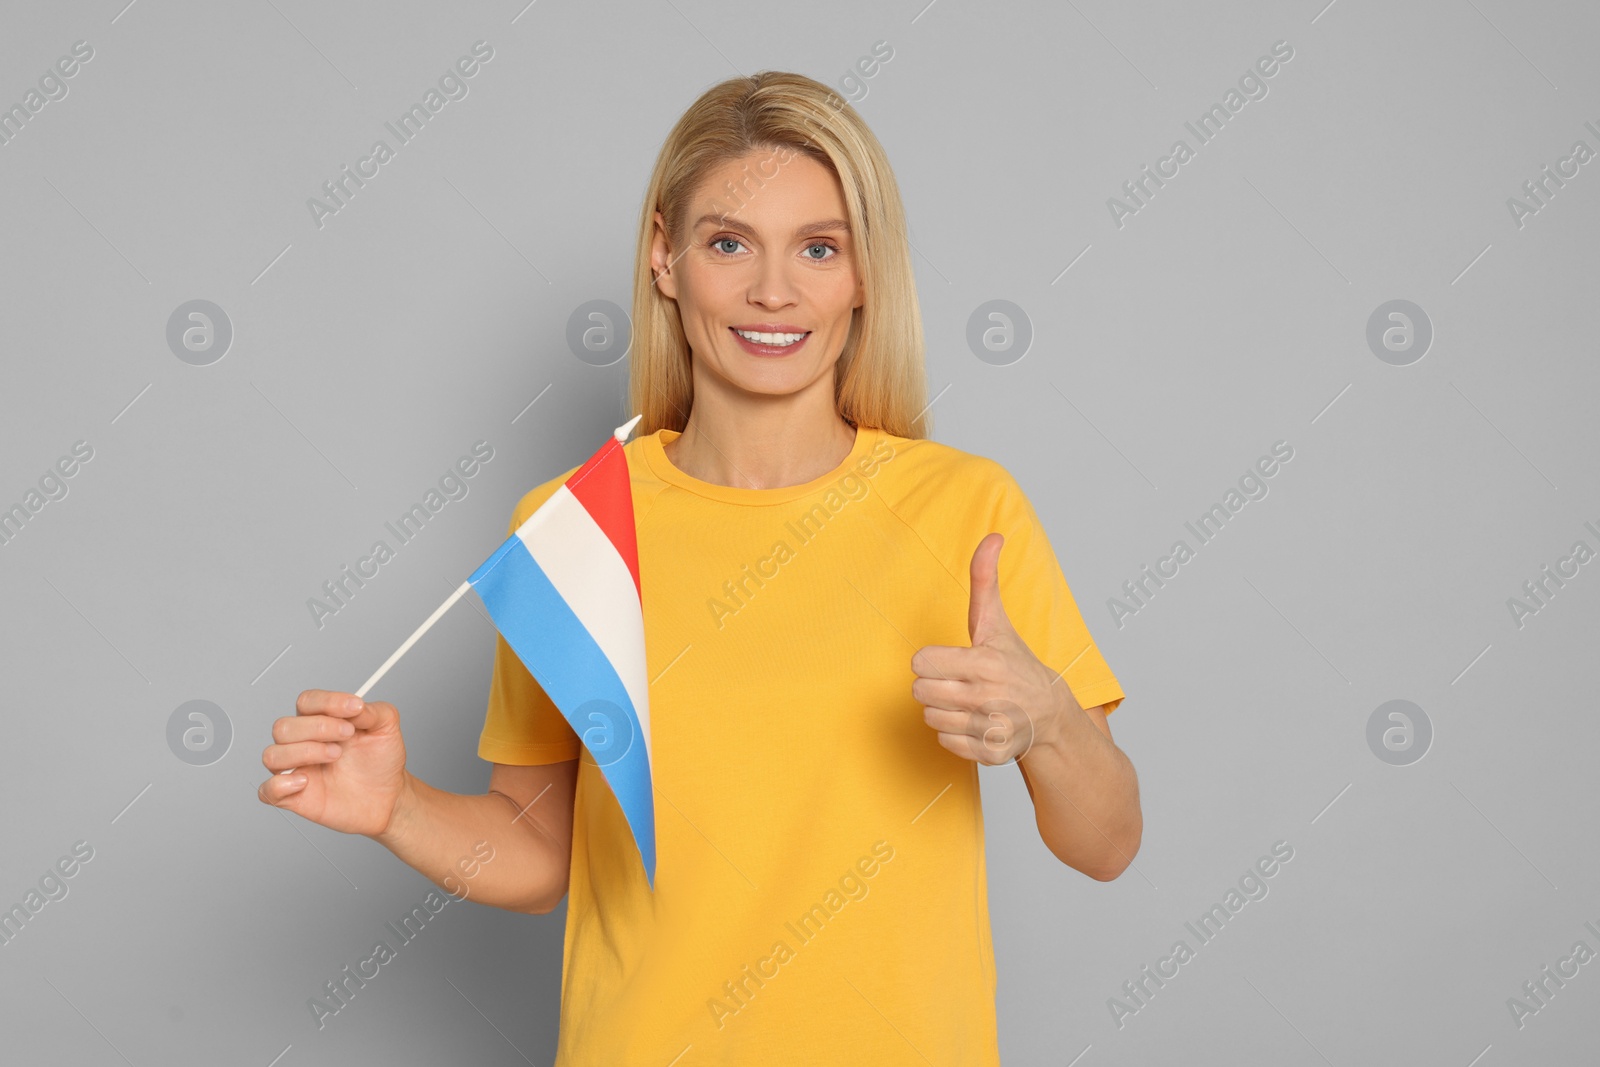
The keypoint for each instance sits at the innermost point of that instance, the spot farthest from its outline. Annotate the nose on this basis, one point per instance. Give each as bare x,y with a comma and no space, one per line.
773,285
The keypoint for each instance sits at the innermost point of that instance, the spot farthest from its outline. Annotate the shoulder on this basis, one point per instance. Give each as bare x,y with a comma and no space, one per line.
926,475
534,498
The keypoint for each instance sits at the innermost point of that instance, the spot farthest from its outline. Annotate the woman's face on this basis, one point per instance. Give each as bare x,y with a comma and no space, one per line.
768,251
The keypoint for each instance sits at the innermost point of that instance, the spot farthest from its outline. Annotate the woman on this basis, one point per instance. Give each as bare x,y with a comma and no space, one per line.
835,643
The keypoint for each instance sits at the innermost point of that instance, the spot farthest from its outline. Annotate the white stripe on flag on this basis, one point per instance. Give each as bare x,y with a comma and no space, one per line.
583,565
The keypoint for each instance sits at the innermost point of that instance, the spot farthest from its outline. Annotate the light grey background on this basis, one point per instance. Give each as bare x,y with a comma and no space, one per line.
1228,313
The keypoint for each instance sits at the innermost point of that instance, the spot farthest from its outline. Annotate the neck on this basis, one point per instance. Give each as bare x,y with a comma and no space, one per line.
760,449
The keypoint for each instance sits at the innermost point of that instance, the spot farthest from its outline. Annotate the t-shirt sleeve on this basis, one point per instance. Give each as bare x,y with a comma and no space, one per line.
523,726
1039,603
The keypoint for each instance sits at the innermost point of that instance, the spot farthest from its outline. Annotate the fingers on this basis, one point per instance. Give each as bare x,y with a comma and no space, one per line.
341,705
946,693
281,787
947,721
954,663
974,749
298,754
312,736
985,736
312,728
328,702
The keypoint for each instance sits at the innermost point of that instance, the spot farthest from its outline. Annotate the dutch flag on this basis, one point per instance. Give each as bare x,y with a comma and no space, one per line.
564,592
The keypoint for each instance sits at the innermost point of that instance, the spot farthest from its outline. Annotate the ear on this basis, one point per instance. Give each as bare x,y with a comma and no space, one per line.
661,260
861,291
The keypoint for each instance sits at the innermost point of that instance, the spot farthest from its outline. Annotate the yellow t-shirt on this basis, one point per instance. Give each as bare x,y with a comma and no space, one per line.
821,895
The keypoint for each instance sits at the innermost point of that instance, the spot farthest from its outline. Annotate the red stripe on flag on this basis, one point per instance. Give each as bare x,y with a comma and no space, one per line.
605,490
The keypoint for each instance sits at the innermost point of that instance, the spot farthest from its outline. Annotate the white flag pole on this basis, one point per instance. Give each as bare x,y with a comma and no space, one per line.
406,647
620,433
403,649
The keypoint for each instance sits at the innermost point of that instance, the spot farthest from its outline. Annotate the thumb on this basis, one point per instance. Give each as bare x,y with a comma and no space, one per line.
986,615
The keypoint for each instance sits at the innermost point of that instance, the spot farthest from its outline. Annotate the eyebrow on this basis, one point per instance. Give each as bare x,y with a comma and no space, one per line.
808,230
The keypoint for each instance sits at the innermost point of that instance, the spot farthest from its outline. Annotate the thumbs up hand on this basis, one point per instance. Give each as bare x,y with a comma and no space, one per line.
994,701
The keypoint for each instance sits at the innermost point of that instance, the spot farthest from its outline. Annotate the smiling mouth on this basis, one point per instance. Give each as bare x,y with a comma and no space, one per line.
769,344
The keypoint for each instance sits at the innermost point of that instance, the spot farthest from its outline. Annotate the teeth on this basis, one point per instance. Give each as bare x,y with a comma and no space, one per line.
770,338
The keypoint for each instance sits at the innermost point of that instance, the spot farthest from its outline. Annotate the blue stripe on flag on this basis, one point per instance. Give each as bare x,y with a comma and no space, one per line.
558,651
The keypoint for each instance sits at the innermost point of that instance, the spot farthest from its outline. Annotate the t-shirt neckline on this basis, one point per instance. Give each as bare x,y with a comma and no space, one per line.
655,455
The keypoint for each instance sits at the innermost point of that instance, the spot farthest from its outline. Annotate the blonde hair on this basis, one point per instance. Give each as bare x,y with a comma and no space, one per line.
880,379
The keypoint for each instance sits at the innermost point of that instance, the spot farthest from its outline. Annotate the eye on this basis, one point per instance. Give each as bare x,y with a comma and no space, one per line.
717,242
822,244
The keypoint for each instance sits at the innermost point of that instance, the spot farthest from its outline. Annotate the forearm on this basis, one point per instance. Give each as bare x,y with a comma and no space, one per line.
1085,797
441,834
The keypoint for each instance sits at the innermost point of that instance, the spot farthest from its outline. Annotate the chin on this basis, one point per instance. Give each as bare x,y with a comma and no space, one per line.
766,374
769,387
